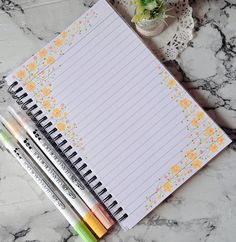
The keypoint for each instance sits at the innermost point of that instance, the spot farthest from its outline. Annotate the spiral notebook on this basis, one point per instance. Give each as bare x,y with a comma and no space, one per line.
122,119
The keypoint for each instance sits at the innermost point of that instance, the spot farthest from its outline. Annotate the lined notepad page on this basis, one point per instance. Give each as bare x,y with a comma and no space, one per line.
139,132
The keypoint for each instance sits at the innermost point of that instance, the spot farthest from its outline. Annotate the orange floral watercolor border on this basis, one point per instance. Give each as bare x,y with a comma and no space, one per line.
205,140
37,75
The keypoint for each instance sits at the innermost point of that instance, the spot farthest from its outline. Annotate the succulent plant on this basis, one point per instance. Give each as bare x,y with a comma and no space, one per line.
149,9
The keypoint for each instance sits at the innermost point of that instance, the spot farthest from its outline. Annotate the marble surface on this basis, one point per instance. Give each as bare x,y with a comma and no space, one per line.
204,209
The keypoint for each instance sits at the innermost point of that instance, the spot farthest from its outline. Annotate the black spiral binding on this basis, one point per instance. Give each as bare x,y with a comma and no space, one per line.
61,145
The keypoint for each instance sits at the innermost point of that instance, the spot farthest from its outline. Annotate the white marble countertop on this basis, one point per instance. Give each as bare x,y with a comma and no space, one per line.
204,209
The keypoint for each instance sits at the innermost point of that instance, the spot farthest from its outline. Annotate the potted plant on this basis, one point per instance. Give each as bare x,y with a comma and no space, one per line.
149,16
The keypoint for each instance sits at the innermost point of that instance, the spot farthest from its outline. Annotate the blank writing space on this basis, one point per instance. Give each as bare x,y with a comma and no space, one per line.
117,106
97,74
105,88
112,92
110,117
130,141
84,64
127,115
144,146
122,153
92,63
102,78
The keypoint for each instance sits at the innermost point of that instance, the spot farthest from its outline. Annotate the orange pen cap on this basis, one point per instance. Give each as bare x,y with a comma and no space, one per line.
94,224
103,216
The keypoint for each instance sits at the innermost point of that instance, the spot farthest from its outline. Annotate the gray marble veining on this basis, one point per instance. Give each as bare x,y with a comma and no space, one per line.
204,209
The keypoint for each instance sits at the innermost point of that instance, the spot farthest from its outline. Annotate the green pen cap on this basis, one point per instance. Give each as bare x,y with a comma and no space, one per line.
4,137
84,232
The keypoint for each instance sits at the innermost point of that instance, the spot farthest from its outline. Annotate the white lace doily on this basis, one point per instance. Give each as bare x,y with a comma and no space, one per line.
178,32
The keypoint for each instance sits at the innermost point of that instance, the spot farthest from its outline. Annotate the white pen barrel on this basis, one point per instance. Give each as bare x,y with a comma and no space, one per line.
54,175
54,196
59,163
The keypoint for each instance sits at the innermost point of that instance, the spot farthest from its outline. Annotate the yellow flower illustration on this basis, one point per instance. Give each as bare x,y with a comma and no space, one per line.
168,186
56,113
46,91
195,122
64,34
58,42
197,164
171,83
214,148
32,66
221,140
209,131
21,74
50,60
175,169
191,155
30,86
185,103
61,126
200,115
46,104
43,52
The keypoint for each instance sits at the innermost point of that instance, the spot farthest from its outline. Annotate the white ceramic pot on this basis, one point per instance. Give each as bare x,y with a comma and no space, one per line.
150,28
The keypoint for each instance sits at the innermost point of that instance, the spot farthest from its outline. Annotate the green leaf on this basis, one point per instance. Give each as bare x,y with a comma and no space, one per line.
146,2
151,5
149,9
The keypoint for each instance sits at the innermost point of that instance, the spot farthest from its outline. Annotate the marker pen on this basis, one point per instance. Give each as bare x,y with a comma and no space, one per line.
64,168
53,174
47,187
